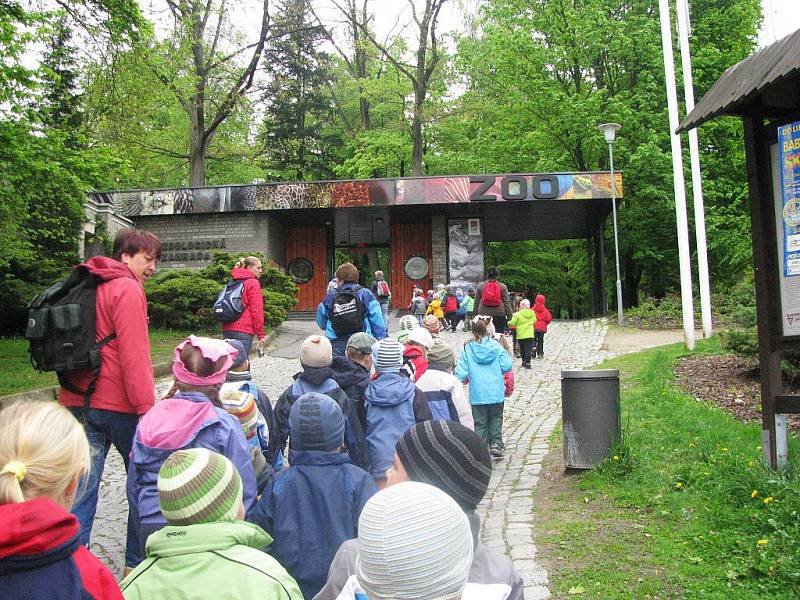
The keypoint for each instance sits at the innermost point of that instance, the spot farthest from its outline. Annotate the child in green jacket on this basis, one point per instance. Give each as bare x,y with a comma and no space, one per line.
524,320
206,550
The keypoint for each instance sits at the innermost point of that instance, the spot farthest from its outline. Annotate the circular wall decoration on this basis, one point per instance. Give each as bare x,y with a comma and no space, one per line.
301,270
416,267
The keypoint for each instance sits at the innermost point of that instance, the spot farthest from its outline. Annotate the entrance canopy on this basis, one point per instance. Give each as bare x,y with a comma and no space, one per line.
512,206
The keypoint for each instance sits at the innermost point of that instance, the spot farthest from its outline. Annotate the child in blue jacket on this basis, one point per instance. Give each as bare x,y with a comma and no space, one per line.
314,506
392,403
483,362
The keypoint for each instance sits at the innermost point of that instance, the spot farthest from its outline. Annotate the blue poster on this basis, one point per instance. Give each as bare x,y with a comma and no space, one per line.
789,145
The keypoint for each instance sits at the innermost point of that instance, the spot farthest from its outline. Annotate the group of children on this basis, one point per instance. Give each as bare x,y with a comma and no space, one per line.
221,514
450,306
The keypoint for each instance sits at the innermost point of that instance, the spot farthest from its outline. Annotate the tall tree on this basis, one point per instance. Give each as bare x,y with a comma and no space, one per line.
420,73
208,81
297,101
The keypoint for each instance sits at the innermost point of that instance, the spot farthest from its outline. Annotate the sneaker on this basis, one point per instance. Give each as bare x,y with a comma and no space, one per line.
526,365
496,451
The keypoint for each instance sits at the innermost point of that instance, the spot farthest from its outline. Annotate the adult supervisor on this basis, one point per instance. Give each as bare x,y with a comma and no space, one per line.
125,388
492,299
348,309
251,322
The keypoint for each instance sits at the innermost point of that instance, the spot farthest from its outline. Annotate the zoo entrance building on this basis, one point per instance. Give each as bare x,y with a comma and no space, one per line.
419,230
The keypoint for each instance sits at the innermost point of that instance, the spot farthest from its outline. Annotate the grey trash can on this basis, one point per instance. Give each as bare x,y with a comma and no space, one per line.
590,415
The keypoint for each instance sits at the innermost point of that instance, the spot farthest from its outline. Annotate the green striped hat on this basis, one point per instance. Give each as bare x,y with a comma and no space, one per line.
198,486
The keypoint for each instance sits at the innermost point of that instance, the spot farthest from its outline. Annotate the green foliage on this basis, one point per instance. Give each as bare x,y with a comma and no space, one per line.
182,298
697,514
741,340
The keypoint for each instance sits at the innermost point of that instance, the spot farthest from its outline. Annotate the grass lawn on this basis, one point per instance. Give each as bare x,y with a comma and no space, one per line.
18,375
685,510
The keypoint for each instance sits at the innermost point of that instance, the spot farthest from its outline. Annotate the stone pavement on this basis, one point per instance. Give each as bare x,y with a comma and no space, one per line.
531,414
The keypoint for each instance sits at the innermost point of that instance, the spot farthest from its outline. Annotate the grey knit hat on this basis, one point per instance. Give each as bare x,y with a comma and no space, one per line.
413,542
387,355
316,423
441,356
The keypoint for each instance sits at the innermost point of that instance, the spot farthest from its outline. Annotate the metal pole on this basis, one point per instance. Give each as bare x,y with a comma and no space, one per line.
620,316
677,178
697,183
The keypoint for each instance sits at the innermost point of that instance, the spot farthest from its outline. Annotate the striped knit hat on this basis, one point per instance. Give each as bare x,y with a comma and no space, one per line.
407,324
199,486
387,355
241,405
449,456
413,542
431,323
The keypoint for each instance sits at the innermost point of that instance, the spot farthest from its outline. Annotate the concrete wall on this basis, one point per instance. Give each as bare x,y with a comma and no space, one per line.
190,240
439,249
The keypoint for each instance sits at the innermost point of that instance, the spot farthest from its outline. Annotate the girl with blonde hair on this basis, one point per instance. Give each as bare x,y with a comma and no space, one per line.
251,322
44,453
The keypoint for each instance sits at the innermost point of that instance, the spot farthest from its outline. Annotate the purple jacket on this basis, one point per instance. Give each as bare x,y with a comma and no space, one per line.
187,420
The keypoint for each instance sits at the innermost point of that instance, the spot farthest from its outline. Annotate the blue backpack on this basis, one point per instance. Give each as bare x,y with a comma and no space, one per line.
229,305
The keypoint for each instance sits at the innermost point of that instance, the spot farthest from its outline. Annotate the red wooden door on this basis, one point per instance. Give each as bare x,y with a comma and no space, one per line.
310,243
408,240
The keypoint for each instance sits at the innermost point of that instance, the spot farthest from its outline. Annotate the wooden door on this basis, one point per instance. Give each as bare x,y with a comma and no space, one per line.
408,240
310,243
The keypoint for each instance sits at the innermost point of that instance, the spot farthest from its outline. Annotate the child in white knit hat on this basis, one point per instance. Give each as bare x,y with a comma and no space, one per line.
415,542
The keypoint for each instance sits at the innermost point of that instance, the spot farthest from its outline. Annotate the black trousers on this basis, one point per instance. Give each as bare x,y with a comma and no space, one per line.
539,337
525,348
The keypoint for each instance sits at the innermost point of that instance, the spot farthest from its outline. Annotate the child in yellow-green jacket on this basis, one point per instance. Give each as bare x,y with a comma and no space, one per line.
524,320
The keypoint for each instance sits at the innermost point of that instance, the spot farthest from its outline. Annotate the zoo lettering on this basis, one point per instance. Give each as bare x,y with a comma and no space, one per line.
515,187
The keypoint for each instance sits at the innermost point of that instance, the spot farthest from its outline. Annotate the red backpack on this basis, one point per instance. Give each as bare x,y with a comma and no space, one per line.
491,294
451,304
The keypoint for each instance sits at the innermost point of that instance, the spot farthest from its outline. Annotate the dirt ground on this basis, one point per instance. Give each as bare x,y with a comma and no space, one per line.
621,340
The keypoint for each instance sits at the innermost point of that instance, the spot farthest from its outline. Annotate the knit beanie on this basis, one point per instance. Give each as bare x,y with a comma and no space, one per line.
241,405
421,336
431,323
413,542
525,303
241,355
316,423
408,322
316,351
198,486
450,457
387,355
441,356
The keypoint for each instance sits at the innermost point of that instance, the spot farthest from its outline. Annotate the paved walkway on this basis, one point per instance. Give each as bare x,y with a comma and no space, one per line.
530,416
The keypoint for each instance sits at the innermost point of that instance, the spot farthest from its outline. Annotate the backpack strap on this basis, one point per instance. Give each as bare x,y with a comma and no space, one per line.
87,393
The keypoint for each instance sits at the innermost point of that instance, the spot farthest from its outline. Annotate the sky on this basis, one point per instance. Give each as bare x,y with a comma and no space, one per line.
781,17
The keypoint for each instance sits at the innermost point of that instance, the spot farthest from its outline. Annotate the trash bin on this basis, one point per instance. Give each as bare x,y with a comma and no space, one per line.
590,415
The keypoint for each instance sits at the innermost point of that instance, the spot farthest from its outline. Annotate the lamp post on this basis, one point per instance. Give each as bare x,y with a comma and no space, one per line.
610,132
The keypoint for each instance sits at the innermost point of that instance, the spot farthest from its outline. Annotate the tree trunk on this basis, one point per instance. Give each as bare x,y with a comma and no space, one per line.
416,134
197,165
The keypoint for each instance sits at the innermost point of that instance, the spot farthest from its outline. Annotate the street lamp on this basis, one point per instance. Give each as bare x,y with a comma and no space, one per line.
610,131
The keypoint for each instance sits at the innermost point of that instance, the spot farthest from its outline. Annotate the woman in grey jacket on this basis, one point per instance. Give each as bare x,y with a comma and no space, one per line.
427,453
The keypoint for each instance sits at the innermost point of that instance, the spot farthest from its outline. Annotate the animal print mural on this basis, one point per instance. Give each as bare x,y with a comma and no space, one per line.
363,192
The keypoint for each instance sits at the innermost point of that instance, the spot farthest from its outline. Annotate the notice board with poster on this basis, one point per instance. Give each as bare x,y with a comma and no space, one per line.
785,158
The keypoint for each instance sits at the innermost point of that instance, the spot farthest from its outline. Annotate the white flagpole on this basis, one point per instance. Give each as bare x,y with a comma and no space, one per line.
677,177
697,183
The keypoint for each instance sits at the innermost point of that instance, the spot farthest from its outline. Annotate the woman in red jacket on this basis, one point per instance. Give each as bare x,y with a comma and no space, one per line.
251,323
43,455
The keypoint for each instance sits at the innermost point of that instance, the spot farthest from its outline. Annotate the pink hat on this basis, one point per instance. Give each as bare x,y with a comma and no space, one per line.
211,350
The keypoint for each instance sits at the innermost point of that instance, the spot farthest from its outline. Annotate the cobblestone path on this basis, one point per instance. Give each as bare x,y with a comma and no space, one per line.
531,414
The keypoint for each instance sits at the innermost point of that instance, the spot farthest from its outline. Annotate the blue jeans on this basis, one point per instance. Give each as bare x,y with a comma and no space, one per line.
103,428
385,311
340,345
245,338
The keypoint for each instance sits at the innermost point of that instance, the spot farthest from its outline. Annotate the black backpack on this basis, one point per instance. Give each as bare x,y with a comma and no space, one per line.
229,305
61,330
347,311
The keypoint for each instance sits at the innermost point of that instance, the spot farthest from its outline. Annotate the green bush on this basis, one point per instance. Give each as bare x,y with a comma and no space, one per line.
182,298
740,340
656,313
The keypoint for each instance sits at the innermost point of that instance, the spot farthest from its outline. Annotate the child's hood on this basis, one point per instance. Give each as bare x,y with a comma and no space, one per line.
539,300
174,422
484,352
206,537
390,389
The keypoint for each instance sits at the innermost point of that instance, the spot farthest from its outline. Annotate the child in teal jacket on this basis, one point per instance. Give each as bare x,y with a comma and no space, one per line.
483,362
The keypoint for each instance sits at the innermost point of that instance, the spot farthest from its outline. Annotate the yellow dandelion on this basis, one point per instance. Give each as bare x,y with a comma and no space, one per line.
706,473
769,499
616,457
724,449
750,463
678,485
762,542
754,493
